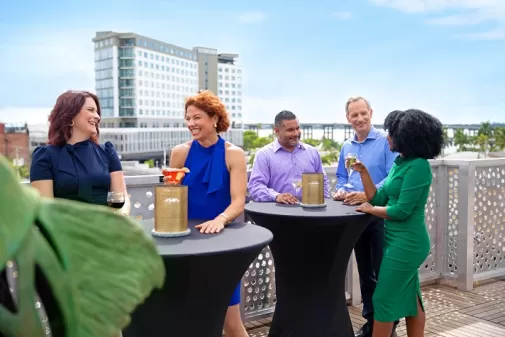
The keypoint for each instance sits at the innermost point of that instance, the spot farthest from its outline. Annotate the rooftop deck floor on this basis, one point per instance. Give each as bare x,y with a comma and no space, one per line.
449,312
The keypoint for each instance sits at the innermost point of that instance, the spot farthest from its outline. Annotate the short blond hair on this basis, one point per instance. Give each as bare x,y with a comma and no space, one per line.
355,99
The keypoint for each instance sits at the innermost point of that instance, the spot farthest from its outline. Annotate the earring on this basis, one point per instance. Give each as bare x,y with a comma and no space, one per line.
72,123
215,126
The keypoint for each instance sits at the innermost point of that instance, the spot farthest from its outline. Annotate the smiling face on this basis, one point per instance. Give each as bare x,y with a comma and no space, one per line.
288,133
359,115
86,121
199,123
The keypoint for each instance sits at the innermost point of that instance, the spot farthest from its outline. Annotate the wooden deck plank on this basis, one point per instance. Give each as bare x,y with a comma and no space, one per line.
449,312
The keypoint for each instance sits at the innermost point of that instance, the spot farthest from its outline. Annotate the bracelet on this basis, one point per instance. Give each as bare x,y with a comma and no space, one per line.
225,217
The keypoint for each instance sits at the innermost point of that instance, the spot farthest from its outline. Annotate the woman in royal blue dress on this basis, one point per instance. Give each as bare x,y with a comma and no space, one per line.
73,165
217,181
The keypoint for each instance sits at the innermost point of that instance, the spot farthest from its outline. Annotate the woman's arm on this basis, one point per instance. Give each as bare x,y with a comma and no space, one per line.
236,160
41,174
45,188
118,184
368,185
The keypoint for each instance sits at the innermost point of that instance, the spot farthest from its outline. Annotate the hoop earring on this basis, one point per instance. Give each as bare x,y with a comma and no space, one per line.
72,124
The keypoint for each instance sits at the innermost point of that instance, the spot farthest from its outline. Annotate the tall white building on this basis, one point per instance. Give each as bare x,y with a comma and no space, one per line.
142,84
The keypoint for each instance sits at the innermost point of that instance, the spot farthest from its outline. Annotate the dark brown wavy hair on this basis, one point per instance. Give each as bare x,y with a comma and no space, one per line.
68,105
208,102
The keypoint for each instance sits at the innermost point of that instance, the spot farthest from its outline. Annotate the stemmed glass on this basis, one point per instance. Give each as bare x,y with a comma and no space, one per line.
115,199
297,185
350,160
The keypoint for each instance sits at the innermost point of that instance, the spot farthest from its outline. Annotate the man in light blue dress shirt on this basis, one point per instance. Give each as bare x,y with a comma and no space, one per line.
370,147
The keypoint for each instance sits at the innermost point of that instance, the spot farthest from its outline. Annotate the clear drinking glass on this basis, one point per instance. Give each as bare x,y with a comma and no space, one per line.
297,185
351,159
115,199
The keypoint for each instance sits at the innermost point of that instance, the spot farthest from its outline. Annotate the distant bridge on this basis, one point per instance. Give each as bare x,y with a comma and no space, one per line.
328,129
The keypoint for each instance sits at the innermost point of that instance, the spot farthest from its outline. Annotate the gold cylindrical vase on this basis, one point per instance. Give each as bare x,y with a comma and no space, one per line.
312,188
170,210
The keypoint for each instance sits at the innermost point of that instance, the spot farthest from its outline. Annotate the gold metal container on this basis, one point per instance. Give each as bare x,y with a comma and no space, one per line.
312,188
171,209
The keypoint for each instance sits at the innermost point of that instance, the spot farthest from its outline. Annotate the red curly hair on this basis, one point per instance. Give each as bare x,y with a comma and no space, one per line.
68,105
208,102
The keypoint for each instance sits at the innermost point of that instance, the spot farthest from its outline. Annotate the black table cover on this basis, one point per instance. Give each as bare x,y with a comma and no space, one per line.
311,250
202,272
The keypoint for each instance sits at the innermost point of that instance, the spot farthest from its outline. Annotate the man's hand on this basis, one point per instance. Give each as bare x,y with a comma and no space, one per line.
340,195
286,198
355,198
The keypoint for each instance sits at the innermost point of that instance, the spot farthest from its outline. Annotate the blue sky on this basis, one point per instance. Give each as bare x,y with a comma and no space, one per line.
308,57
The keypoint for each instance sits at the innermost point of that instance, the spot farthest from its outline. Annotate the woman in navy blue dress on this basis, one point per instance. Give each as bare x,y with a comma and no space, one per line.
217,181
73,165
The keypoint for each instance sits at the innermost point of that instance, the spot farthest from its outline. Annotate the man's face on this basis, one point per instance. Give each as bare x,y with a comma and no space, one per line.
288,133
359,116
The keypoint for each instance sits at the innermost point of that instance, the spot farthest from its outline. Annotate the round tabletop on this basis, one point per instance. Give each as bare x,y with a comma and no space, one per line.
235,237
333,209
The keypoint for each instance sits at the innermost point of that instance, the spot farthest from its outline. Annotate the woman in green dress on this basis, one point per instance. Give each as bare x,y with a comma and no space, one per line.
417,137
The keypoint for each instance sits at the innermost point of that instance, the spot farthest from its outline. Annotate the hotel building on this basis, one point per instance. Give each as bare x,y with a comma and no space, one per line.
142,84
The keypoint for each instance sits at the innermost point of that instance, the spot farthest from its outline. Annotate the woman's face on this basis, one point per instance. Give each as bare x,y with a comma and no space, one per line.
199,123
87,119
390,142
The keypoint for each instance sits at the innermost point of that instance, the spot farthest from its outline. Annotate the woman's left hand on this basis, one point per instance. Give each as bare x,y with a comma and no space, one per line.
211,226
364,208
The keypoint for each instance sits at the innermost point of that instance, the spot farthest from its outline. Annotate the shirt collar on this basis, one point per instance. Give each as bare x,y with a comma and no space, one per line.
278,146
372,134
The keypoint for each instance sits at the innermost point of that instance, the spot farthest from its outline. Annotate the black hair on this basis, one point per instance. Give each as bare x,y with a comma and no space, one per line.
415,133
282,116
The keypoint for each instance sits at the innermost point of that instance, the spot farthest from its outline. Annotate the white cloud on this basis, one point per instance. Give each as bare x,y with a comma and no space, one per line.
467,12
341,15
252,17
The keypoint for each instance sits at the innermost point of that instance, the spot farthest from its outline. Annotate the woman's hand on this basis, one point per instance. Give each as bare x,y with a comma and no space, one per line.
169,181
359,167
212,226
365,208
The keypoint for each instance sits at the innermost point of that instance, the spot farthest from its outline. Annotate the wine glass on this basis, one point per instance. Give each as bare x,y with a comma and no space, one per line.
115,199
351,159
297,185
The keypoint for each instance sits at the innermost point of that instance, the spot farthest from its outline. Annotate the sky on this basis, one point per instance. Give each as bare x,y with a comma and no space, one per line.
446,57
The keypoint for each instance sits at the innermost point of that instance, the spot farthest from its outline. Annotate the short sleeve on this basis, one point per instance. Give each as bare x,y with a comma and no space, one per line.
41,167
114,162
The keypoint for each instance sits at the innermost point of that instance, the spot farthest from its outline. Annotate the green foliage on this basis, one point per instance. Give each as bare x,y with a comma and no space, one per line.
253,141
488,139
330,145
23,171
312,142
150,163
330,158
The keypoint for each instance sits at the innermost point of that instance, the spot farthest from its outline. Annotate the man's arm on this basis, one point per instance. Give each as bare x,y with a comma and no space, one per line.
342,174
389,157
259,179
319,169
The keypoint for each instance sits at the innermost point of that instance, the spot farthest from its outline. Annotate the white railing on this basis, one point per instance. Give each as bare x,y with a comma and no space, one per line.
465,216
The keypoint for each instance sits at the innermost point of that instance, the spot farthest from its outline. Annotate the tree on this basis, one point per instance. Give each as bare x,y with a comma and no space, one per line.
330,145
499,139
330,158
253,141
312,142
461,140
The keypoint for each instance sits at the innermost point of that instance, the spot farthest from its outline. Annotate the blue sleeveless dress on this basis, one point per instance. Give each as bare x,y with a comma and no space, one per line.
208,185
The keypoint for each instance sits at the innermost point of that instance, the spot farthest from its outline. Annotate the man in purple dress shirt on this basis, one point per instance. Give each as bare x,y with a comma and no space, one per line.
281,162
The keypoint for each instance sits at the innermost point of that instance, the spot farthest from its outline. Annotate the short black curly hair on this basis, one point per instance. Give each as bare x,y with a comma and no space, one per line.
415,133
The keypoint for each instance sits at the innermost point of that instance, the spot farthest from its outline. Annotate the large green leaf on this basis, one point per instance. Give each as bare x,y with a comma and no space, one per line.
99,265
